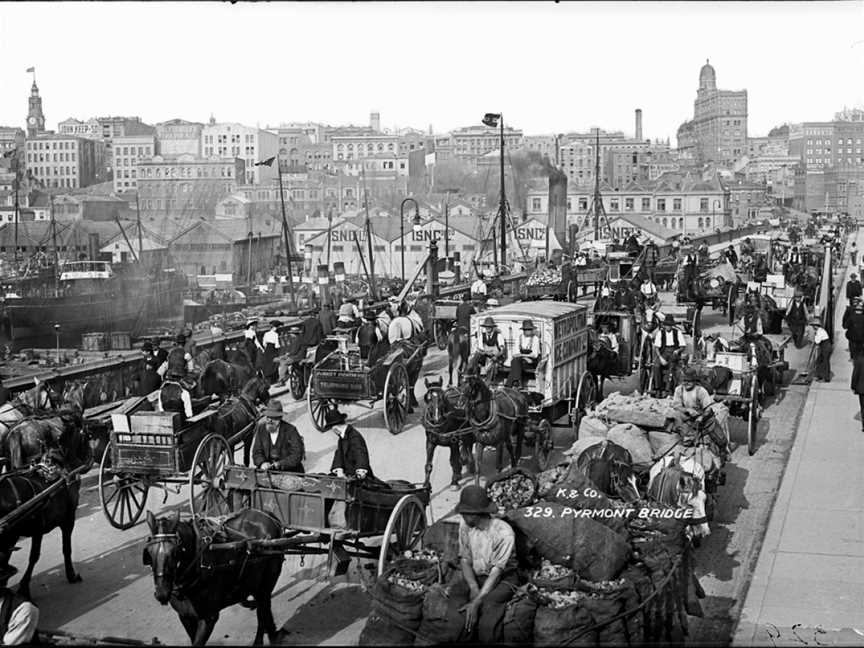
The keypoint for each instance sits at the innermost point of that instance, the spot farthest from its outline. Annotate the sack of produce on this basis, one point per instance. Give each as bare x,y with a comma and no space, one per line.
561,620
591,426
517,626
662,442
397,601
513,489
443,537
548,478
554,532
704,457
553,577
442,622
580,445
633,439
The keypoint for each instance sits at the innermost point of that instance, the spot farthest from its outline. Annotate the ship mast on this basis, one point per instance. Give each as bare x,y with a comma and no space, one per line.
54,245
597,210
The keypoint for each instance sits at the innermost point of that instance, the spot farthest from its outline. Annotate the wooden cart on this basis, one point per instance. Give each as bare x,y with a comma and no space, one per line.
382,522
343,377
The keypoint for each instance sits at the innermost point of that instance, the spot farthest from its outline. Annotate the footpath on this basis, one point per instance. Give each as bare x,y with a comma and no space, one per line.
808,582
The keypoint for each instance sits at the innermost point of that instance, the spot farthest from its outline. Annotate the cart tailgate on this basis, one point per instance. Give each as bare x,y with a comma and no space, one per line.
335,383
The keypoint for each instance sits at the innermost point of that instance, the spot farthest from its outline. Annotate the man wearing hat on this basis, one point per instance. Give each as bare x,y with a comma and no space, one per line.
669,344
853,287
822,341
464,311
295,351
327,318
690,396
796,318
178,358
368,336
493,349
527,355
853,322
488,560
18,617
348,313
266,360
148,379
277,445
731,256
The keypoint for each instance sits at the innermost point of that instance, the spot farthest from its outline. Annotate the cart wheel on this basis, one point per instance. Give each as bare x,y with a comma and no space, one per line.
586,396
646,365
543,444
752,417
123,495
440,331
696,323
207,494
396,397
298,385
572,294
404,530
731,296
317,408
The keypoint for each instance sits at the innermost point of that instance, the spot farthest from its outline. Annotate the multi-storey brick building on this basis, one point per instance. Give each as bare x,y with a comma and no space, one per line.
64,160
178,137
252,145
128,151
473,142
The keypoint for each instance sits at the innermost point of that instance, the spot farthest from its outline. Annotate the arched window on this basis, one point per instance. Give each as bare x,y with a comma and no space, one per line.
701,223
665,222
708,221
681,223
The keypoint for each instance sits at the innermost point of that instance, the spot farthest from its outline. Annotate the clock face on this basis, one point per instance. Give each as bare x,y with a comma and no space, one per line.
31,120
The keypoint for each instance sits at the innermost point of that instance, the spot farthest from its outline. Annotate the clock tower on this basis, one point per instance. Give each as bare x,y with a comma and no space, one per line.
35,118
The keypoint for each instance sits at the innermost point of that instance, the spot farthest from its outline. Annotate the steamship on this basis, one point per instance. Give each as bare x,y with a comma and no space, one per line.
85,296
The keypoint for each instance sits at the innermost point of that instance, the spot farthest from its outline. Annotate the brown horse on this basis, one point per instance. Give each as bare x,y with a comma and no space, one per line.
610,468
238,412
458,350
57,510
498,420
226,377
446,425
199,582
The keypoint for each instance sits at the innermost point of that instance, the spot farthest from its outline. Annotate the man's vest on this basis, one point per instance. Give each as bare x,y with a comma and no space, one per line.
676,340
171,397
490,340
797,312
522,349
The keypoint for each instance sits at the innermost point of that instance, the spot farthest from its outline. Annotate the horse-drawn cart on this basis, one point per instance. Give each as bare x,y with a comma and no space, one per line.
342,376
443,320
383,520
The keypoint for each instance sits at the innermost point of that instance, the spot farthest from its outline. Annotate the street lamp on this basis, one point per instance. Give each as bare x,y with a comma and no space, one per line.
492,120
402,229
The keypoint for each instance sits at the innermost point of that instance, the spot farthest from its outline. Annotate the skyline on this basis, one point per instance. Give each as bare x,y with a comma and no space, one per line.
267,64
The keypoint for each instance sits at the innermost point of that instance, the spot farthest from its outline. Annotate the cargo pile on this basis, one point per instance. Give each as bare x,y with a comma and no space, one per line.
548,277
514,489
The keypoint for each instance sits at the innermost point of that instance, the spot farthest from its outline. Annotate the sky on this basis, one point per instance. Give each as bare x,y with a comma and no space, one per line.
549,68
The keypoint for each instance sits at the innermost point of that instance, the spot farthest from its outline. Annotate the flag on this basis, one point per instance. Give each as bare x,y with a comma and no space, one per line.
268,162
491,119
31,69
10,153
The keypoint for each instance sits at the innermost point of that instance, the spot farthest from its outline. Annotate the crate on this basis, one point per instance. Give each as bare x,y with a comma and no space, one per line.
121,341
165,423
737,362
95,341
445,309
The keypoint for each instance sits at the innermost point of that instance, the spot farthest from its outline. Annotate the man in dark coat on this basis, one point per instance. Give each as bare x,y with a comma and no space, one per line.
796,318
858,382
277,444
148,379
368,336
853,287
327,318
464,311
853,322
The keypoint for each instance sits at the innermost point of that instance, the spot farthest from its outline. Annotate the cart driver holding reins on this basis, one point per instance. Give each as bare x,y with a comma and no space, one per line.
669,345
493,349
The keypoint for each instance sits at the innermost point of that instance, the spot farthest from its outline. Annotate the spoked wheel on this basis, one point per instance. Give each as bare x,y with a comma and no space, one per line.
123,495
646,365
586,396
207,492
696,324
317,408
295,380
404,530
543,444
396,397
440,330
752,416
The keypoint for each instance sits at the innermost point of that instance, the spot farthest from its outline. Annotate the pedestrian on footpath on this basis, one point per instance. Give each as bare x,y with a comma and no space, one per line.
853,323
822,341
853,287
853,253
858,382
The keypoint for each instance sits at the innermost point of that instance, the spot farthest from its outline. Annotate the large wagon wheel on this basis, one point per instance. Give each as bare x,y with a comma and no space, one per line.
440,330
396,397
207,493
404,530
586,396
123,495
646,364
296,381
752,416
731,298
317,407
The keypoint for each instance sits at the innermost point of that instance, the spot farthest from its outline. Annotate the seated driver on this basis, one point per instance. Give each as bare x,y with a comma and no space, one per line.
527,356
669,343
174,395
277,445
690,396
609,337
493,349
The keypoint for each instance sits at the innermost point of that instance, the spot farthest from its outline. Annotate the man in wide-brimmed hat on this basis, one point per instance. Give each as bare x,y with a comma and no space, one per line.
488,560
464,311
493,348
796,318
669,344
822,341
527,354
690,396
369,334
277,445
853,287
853,323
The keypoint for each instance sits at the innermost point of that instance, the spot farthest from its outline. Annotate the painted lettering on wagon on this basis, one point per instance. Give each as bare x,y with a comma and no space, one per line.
567,349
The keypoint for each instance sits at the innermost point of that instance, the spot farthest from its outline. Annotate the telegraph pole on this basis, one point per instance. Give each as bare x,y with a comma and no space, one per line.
502,205
284,232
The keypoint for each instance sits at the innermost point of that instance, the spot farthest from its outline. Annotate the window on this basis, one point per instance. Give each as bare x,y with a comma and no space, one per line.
414,248
583,204
535,204
701,223
646,204
676,204
467,248
681,223
661,204
628,204
665,222
613,205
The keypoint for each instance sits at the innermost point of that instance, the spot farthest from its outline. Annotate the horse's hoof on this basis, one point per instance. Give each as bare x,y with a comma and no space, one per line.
76,578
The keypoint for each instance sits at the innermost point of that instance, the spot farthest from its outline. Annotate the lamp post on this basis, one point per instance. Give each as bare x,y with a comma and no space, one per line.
402,229
492,120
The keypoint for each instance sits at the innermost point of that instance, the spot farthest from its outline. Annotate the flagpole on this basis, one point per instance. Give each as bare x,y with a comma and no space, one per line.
285,233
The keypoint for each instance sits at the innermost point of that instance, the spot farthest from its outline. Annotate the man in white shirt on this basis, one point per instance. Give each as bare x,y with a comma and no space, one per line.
18,617
492,347
348,313
478,288
608,337
526,356
401,328
648,290
822,341
669,344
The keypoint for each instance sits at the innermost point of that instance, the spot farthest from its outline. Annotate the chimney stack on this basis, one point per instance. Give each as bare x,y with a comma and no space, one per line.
639,124
375,121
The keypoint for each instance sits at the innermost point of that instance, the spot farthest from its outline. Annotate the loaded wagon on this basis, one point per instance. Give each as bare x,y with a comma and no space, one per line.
557,282
560,384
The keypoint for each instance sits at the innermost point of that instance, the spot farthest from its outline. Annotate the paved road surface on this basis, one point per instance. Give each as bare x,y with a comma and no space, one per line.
116,595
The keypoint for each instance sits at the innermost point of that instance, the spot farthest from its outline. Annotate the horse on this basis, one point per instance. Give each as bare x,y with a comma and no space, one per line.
610,468
412,366
238,412
60,433
497,418
199,583
57,510
226,377
442,419
458,350
603,363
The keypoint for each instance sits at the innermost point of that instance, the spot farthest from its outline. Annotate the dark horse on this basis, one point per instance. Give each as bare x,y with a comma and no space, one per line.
458,350
610,468
603,363
497,418
446,425
200,582
239,411
226,377
57,510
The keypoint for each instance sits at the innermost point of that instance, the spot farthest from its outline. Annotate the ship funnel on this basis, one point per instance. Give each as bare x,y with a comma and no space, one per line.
93,246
